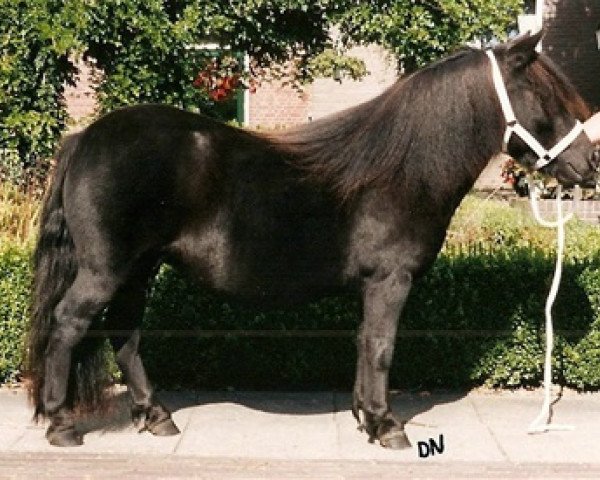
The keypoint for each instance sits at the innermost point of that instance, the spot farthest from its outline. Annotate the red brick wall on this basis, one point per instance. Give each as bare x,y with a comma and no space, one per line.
570,41
586,210
273,105
277,105
80,99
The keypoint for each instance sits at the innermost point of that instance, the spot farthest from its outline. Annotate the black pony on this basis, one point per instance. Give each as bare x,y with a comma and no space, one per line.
359,201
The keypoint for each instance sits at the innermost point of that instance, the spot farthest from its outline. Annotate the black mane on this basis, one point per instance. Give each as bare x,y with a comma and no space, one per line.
371,144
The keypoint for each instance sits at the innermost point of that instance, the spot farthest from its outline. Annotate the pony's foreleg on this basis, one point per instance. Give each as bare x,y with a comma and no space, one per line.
383,300
123,317
87,296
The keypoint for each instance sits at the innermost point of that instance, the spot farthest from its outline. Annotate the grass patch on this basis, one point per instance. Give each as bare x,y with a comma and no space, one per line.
19,214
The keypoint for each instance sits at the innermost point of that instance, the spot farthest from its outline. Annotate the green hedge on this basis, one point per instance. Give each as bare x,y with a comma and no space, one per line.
474,319
15,280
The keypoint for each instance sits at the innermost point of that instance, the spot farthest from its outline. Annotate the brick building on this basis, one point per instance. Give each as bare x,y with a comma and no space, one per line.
571,41
274,105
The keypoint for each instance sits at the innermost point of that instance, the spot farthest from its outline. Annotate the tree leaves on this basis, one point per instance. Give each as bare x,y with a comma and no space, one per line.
36,38
421,31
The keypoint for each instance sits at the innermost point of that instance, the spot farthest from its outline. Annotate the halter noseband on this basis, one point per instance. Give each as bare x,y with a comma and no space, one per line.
513,125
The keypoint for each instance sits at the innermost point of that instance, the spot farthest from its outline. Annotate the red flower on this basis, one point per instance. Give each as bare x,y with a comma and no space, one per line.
217,87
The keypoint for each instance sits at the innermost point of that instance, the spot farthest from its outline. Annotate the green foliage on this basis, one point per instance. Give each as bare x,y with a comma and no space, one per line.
142,53
331,64
419,32
581,360
151,50
493,225
237,344
36,39
148,49
576,360
15,280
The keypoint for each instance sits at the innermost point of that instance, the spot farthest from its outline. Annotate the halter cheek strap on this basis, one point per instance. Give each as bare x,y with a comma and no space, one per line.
514,127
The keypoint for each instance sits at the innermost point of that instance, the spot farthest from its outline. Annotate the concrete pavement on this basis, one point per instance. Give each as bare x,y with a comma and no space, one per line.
313,435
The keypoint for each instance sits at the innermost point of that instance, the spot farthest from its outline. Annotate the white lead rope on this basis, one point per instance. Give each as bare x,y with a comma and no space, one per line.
545,156
542,422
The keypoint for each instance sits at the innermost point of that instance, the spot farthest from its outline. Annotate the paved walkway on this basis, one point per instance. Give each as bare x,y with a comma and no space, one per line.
235,435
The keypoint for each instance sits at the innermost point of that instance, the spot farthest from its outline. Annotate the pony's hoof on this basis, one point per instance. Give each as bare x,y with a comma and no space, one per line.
164,428
395,439
64,437
159,422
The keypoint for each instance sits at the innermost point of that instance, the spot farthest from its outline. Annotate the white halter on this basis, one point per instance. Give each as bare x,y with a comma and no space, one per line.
513,125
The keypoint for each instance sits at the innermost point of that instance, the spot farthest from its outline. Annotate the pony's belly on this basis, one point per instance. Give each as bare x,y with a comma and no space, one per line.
263,277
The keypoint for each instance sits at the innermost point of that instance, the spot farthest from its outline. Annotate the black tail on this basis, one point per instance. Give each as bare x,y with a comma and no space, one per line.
55,267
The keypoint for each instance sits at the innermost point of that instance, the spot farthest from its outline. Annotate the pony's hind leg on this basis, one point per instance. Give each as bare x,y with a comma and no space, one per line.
82,302
122,321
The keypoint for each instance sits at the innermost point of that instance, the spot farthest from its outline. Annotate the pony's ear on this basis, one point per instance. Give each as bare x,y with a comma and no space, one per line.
521,51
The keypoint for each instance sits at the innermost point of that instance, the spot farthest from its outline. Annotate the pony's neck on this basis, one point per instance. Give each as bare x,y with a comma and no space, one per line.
458,132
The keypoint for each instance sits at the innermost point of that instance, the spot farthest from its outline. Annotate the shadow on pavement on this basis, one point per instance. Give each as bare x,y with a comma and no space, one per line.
406,406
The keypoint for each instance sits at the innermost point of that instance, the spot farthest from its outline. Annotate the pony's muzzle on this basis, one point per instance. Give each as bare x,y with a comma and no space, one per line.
591,180
571,173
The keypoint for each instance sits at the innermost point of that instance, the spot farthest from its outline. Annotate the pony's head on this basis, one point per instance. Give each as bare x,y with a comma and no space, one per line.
544,132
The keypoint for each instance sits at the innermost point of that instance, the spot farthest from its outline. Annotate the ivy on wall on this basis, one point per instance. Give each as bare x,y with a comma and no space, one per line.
37,38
